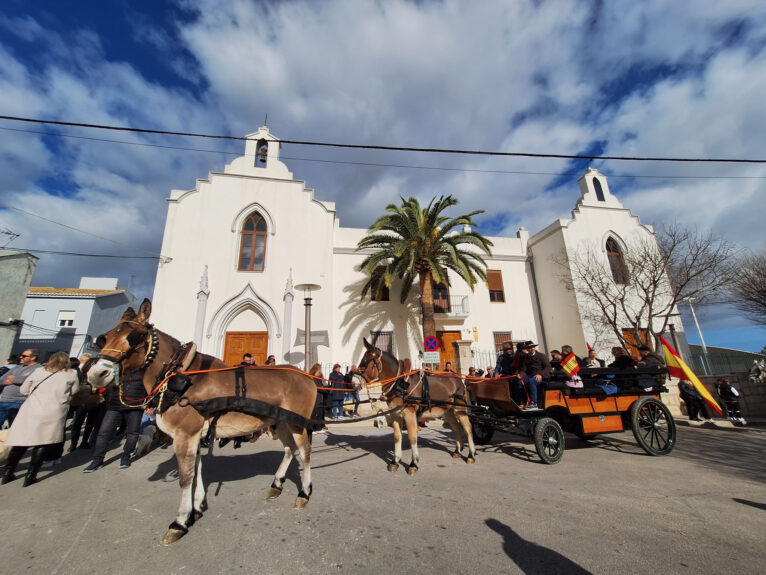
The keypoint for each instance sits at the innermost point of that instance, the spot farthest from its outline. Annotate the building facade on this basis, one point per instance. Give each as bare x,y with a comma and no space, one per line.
70,319
238,247
16,271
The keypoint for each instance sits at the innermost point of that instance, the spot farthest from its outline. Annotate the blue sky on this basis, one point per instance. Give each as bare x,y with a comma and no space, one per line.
654,78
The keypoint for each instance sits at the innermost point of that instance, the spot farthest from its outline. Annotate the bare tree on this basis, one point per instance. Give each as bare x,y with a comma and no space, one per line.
639,290
749,285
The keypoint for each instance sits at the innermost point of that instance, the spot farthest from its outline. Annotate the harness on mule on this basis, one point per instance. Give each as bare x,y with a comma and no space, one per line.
179,382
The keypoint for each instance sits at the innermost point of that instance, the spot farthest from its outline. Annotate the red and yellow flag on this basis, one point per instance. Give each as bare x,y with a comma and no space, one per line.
569,365
677,368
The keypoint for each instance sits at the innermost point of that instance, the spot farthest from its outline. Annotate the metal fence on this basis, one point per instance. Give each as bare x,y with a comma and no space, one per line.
481,358
722,361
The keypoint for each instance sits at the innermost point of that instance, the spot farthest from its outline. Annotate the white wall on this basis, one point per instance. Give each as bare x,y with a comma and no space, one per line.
306,244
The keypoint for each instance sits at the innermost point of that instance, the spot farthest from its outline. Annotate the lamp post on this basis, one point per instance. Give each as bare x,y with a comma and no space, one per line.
706,361
307,289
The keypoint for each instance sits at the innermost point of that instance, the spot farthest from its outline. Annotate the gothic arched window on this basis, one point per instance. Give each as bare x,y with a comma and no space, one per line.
599,190
252,248
616,262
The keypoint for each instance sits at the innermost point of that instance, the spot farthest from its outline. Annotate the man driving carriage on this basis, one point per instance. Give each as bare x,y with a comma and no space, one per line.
537,369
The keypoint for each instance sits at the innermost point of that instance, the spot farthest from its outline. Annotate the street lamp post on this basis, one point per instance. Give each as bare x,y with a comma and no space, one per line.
706,361
307,289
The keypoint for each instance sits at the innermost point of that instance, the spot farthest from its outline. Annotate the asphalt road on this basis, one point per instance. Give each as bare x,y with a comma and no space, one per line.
606,508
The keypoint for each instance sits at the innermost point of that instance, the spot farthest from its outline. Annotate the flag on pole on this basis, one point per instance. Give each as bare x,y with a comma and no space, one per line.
677,368
569,365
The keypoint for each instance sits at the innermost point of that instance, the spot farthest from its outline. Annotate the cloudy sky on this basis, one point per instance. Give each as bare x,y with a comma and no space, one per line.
655,78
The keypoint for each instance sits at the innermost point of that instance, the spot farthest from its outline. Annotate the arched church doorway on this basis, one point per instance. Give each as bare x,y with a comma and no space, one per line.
246,333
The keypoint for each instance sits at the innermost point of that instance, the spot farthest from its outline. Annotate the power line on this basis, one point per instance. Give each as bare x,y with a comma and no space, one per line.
79,230
384,165
392,148
58,253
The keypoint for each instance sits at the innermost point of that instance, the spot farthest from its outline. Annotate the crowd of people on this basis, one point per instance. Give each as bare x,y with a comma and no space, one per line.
530,368
37,400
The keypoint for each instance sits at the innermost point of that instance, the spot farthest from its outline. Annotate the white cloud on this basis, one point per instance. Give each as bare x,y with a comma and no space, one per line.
512,76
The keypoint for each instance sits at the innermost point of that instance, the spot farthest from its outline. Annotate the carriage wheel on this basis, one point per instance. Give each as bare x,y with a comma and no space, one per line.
482,432
549,440
653,426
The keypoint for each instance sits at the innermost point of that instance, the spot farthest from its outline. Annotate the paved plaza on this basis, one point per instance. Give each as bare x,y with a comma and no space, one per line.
606,508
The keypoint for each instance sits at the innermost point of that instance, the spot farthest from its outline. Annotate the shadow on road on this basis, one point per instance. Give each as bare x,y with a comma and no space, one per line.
750,503
735,451
531,557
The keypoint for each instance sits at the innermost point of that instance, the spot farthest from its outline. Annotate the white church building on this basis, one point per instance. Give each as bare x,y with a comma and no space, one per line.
238,247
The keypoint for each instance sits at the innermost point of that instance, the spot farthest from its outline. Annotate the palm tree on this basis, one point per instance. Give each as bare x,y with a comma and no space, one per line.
410,241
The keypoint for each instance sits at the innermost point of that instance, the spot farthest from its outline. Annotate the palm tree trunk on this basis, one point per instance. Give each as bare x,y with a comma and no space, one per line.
427,303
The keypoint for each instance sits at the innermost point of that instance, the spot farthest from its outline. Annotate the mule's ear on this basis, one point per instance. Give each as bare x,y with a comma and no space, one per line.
366,344
129,315
144,311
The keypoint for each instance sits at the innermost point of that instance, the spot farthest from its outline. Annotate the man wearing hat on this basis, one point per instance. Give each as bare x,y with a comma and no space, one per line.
537,368
509,364
504,365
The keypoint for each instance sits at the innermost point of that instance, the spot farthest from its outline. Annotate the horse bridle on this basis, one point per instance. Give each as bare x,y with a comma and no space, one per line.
150,342
377,362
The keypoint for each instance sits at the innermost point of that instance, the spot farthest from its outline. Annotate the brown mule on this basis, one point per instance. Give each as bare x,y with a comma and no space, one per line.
136,344
377,365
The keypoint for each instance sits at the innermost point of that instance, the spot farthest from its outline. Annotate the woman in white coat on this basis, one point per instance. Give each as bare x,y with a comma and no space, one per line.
40,421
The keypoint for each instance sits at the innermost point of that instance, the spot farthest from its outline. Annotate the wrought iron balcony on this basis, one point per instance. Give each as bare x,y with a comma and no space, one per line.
457,306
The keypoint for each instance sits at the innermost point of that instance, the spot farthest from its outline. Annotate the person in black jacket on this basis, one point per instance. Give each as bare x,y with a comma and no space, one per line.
730,396
338,392
695,405
127,409
621,359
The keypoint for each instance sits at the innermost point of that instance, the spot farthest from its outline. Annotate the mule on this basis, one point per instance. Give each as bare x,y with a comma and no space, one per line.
287,395
445,398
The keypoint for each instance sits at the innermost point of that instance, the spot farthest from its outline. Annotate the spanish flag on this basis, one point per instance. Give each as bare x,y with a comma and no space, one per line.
569,365
677,368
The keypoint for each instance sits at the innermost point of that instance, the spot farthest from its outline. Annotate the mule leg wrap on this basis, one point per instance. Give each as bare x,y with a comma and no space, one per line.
304,495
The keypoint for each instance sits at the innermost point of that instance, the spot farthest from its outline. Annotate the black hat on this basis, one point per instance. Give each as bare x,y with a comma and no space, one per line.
520,346
529,343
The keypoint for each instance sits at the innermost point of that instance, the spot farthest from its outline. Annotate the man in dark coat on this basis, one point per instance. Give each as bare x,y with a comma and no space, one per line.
338,392
537,368
695,405
504,365
649,359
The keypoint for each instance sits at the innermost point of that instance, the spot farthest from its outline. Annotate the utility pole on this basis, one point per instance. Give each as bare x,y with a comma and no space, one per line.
706,360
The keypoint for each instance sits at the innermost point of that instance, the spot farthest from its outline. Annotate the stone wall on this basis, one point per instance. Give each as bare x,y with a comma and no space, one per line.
752,400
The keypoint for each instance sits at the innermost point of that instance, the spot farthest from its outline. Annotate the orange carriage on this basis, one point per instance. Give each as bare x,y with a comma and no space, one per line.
633,402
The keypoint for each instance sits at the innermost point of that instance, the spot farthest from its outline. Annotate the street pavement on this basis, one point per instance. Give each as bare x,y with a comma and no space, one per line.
605,508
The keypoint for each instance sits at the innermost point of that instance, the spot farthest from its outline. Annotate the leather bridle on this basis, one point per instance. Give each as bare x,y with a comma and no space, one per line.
150,342
376,361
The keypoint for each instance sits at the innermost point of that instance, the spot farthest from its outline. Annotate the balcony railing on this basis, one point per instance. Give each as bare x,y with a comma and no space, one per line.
458,306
